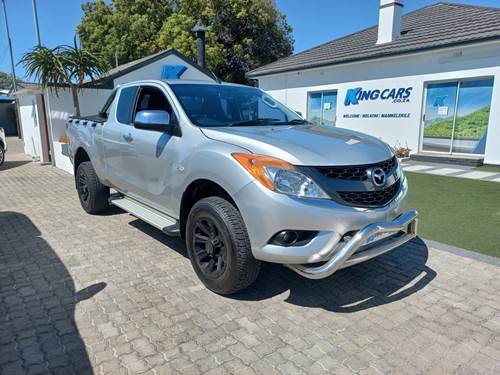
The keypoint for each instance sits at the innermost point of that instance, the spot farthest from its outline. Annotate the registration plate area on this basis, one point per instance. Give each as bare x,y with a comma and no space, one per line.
380,236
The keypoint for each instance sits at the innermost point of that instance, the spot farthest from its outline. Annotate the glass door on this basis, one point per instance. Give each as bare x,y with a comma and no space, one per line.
473,112
456,116
439,118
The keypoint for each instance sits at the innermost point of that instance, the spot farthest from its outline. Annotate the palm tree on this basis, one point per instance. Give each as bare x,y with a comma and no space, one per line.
63,66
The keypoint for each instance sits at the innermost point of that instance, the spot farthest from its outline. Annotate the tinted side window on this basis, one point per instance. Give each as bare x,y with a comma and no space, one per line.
125,105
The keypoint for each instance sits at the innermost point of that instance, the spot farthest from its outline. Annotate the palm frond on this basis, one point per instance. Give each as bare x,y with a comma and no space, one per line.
44,66
81,63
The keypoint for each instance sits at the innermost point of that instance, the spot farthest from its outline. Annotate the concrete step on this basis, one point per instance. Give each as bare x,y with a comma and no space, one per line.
465,160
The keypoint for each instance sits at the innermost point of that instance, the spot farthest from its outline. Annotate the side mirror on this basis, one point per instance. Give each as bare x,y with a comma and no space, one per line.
153,120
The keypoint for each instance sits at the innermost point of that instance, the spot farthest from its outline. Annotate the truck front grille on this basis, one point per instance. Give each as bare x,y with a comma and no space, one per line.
377,198
356,172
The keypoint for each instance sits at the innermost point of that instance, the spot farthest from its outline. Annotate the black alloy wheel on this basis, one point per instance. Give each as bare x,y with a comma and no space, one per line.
92,193
219,247
210,248
83,188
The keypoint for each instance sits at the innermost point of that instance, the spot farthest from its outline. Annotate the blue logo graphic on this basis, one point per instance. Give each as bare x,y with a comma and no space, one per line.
439,101
352,96
397,95
172,71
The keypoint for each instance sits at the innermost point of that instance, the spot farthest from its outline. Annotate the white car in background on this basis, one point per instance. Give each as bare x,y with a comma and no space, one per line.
3,146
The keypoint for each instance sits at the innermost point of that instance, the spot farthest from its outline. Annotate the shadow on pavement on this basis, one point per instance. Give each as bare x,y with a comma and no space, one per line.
385,279
37,304
174,243
10,164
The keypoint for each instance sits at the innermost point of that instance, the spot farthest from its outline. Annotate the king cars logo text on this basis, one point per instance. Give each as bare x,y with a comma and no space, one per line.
396,95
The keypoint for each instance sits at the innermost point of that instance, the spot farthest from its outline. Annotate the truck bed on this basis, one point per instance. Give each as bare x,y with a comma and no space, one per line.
94,118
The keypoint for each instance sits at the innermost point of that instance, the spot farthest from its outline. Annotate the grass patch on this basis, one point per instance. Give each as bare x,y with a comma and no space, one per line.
457,211
489,168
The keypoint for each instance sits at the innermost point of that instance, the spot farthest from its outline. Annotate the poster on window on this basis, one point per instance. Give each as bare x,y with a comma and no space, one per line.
462,128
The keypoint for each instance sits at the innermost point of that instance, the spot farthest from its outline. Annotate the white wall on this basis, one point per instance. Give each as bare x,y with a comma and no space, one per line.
408,71
61,106
153,71
28,112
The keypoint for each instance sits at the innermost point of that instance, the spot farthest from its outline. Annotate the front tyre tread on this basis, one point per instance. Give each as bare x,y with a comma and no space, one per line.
244,268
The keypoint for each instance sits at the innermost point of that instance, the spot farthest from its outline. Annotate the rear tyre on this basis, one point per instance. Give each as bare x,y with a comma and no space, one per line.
219,247
2,154
92,193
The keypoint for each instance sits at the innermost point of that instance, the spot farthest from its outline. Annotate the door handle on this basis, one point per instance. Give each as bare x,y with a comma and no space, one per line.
128,137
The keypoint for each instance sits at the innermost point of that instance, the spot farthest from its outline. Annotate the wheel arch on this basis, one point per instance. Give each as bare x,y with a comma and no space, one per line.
195,191
80,156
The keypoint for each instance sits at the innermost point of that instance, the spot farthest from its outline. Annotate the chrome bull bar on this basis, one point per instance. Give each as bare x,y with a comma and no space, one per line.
347,256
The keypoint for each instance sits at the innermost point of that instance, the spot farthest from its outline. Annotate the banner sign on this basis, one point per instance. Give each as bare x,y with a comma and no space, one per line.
397,95
358,95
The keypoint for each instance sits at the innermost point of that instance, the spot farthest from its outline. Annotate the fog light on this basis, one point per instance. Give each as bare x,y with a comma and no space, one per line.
285,238
292,238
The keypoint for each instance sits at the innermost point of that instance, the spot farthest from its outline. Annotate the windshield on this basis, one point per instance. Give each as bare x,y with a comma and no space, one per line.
227,105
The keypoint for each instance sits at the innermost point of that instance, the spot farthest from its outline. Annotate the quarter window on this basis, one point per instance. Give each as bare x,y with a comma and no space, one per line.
322,107
107,106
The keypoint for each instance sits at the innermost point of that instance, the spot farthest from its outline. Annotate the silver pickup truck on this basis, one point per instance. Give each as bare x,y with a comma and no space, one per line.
242,178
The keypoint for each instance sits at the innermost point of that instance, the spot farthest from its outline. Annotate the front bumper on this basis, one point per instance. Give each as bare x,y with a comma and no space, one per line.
265,213
356,250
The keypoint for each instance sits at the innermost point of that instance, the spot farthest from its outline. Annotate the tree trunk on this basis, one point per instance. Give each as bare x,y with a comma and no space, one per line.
76,104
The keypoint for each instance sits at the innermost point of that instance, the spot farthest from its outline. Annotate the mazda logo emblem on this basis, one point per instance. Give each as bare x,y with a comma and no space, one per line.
377,176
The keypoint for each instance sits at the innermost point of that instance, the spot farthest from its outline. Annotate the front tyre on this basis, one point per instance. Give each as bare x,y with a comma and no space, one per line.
92,193
2,154
219,247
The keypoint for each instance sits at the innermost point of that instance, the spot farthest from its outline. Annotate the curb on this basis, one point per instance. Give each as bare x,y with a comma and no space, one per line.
462,252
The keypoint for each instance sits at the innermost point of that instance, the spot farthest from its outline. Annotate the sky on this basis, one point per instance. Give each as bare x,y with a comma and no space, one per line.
313,21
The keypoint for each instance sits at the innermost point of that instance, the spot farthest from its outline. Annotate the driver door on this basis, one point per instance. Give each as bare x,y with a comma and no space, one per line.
155,151
117,141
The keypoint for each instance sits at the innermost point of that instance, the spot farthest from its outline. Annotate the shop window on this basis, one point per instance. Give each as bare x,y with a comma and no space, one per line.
322,107
456,116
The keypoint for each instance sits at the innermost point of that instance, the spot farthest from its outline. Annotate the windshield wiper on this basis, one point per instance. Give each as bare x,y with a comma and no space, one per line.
270,121
297,121
257,121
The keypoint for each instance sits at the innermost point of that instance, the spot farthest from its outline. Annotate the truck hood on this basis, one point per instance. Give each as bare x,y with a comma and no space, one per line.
310,145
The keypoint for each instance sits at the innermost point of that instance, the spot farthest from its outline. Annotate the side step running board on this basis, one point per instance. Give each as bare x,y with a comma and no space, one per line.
150,215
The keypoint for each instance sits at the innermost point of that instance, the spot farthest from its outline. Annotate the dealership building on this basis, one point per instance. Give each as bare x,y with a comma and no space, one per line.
429,79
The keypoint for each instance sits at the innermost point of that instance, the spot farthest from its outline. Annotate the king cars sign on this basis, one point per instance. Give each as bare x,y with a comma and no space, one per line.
395,95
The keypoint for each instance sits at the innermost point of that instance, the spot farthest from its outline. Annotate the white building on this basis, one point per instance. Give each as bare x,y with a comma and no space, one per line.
429,79
43,114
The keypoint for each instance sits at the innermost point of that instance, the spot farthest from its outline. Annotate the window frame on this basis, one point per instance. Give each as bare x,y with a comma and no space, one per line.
322,92
459,80
109,102
174,116
130,120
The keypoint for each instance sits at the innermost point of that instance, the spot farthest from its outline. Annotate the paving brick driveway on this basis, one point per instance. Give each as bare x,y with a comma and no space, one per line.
110,294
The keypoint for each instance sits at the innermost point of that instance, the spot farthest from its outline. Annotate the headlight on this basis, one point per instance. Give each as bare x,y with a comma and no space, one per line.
280,176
